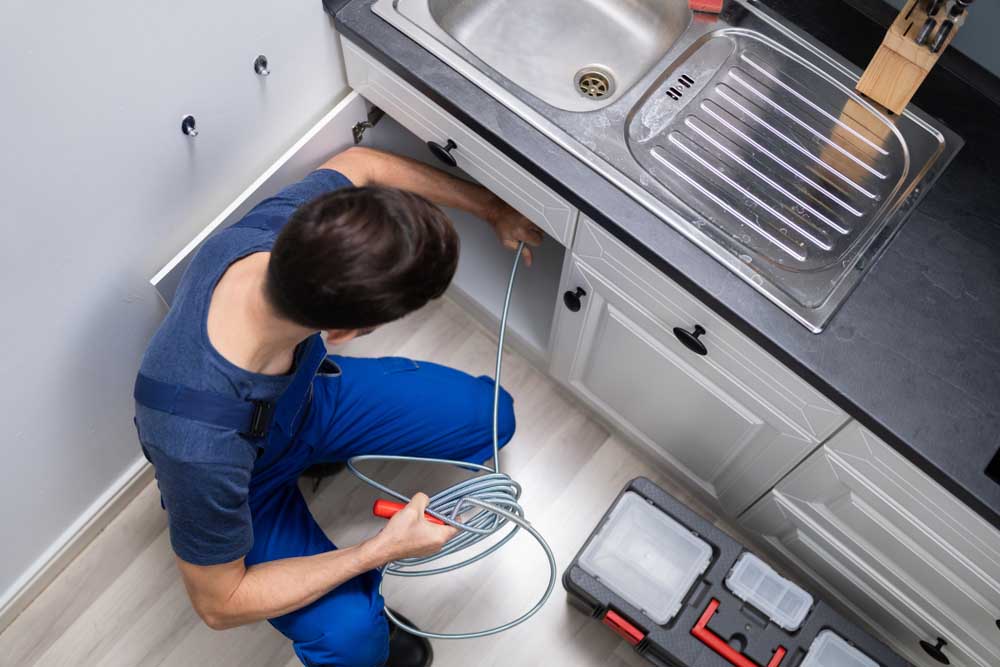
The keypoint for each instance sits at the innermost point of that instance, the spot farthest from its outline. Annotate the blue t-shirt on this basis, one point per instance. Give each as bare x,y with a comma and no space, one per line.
204,471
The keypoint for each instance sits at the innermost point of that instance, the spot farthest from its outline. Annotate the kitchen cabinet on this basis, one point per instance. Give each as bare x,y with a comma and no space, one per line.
877,534
718,410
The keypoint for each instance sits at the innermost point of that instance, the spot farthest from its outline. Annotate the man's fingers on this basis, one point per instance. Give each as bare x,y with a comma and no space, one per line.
419,502
511,244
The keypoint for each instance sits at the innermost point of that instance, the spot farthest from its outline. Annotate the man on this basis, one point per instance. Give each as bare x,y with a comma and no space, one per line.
236,398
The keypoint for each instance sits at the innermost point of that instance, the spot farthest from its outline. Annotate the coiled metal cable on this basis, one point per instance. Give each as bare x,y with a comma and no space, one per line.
493,497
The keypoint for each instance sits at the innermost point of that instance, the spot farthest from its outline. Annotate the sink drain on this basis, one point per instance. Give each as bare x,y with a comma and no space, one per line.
594,82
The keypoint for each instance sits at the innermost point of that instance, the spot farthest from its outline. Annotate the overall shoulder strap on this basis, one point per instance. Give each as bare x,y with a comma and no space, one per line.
249,418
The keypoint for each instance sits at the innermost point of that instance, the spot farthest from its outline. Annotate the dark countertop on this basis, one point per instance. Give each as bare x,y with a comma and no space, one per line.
914,353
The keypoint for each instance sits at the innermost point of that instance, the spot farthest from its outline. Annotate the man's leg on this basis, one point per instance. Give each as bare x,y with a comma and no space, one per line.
344,628
391,406
402,407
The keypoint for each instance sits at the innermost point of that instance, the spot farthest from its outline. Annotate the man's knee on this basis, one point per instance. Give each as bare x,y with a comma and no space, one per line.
506,423
359,640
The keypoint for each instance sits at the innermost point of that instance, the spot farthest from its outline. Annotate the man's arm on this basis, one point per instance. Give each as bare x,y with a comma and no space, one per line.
232,594
366,166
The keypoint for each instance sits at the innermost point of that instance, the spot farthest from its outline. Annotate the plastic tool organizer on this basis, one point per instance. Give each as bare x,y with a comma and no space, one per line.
712,627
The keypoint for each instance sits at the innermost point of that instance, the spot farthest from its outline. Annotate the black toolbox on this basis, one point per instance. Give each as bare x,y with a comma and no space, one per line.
712,627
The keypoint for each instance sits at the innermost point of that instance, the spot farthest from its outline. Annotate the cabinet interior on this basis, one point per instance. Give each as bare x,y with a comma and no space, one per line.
484,265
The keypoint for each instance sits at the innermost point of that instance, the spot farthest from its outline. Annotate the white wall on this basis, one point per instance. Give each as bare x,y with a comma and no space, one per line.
98,189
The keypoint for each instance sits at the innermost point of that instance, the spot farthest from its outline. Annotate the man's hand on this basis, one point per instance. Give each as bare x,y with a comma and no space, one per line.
409,534
232,594
511,228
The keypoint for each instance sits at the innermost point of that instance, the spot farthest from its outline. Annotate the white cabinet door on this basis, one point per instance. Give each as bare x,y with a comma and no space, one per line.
732,422
483,263
630,367
892,545
328,136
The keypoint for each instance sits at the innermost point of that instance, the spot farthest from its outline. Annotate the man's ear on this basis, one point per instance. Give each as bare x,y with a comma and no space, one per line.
339,336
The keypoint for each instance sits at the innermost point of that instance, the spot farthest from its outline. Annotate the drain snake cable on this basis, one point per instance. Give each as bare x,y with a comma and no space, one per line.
492,495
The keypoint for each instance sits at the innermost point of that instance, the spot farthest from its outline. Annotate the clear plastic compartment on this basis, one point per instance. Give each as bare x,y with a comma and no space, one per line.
646,557
831,650
756,583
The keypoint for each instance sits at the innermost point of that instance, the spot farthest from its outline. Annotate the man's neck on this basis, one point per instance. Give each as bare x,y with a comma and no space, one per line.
243,326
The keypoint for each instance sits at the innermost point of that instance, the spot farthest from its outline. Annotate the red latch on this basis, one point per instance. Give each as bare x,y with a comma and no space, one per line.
625,630
706,6
717,644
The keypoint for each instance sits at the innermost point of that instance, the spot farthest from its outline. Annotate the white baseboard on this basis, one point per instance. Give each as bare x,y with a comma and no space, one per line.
69,545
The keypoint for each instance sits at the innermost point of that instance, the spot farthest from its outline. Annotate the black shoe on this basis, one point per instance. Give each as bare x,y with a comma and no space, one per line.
405,649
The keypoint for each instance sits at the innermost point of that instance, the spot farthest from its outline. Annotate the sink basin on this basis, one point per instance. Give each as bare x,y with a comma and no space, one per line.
577,55
739,131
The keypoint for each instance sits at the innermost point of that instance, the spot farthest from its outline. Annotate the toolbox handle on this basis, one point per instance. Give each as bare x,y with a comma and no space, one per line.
720,646
623,628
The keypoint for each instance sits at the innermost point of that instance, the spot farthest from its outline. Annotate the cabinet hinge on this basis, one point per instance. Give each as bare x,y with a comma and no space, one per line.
374,116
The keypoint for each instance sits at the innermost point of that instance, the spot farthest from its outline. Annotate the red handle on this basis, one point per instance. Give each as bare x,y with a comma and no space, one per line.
717,644
706,6
625,630
388,508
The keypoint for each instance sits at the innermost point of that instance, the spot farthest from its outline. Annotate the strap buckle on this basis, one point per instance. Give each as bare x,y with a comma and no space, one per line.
260,419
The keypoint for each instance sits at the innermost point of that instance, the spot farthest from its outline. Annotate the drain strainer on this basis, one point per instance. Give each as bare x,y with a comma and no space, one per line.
594,82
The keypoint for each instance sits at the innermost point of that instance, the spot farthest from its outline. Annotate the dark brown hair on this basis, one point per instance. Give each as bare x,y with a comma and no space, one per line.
361,257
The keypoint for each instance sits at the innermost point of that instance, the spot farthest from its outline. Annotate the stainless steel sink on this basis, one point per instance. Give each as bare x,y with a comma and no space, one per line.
602,47
739,131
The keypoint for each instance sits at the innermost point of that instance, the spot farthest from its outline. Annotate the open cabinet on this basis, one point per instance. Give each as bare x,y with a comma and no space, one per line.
484,264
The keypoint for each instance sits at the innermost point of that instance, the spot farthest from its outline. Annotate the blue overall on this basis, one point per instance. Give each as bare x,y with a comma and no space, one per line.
335,408
202,420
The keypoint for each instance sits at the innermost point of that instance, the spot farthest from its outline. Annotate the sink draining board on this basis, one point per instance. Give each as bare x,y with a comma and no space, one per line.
782,165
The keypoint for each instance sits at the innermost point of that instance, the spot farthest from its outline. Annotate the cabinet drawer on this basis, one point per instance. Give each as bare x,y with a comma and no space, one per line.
892,544
474,155
748,365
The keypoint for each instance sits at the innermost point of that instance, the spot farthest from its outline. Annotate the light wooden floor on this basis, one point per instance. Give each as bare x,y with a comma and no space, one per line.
122,602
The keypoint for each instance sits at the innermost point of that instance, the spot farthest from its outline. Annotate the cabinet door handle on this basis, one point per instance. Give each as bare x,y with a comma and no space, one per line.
188,126
690,339
260,66
573,299
443,153
934,650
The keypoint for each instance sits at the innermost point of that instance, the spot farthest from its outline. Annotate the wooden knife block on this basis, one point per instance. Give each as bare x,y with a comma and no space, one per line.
900,65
